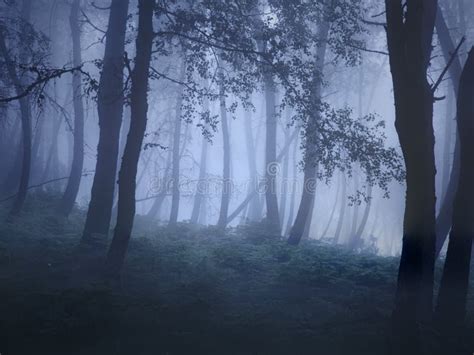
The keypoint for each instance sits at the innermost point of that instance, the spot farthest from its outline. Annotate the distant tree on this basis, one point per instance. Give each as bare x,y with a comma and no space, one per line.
74,180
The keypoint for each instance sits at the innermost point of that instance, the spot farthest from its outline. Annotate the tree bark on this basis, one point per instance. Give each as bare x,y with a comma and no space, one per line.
254,211
175,195
74,181
409,35
133,147
291,211
226,182
25,108
110,109
342,213
451,307
444,218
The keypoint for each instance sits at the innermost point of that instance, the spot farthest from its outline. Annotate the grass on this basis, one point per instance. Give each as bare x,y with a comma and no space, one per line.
190,290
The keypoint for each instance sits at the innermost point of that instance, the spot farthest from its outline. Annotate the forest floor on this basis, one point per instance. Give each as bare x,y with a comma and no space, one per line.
191,290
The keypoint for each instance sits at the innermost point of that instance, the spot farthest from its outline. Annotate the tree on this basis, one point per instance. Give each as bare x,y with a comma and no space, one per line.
19,82
226,182
74,181
176,157
409,34
110,108
133,147
311,136
451,307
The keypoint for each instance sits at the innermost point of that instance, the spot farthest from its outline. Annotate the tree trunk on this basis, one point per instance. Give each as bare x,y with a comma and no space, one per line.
131,155
451,308
201,186
342,213
310,156
444,218
409,35
284,179
331,216
254,211
110,109
176,152
271,170
226,182
291,211
72,188
356,241
25,108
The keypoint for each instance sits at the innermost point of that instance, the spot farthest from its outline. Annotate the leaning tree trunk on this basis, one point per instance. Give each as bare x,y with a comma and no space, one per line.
175,195
409,35
110,109
131,155
310,155
72,188
444,218
451,308
25,108
226,183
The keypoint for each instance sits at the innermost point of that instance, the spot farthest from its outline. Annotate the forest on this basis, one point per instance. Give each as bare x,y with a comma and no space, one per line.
236,177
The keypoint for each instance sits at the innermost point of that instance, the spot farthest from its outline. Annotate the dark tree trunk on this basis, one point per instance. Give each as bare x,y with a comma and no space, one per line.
226,182
25,108
409,35
451,307
175,194
448,145
110,109
310,155
69,197
444,218
131,155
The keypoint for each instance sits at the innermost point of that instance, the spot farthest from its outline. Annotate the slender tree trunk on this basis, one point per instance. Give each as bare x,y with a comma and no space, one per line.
284,182
25,108
409,35
133,147
72,188
444,218
448,146
254,206
271,200
356,241
226,182
310,156
291,211
451,308
176,152
201,186
110,109
342,213
331,215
